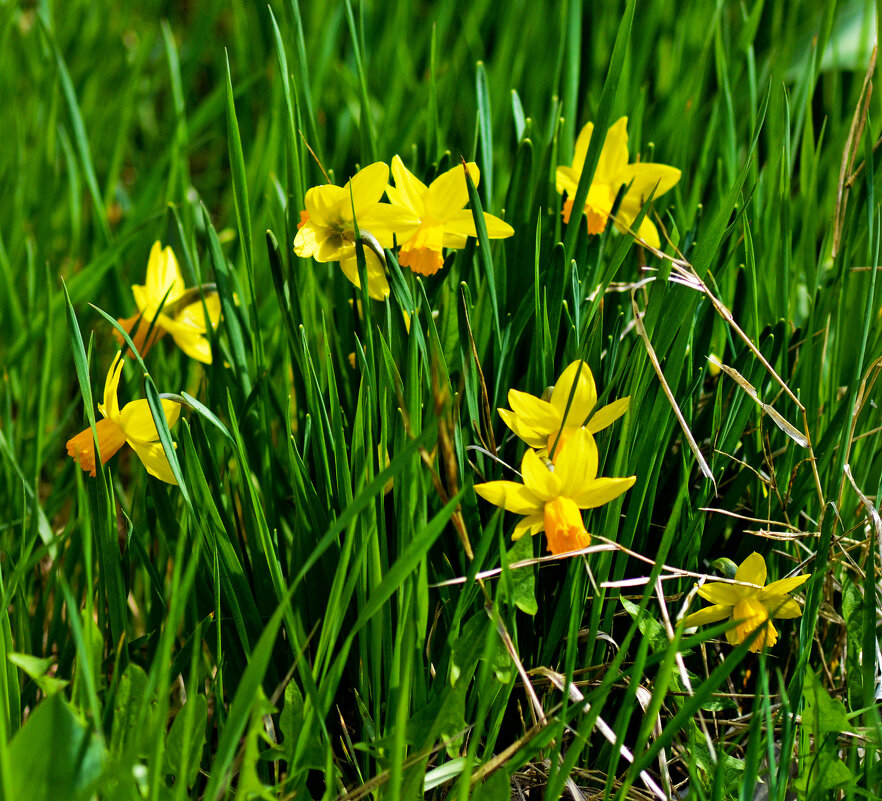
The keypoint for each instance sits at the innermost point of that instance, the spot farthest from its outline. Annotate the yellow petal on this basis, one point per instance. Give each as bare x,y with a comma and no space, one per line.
305,243
602,490
411,189
582,143
566,179
449,192
137,421
783,586
752,570
528,525
711,614
533,412
327,206
584,397
608,414
533,438
378,285
782,606
195,346
388,223
647,179
163,276
511,496
110,407
576,465
544,484
154,459
718,592
614,155
367,186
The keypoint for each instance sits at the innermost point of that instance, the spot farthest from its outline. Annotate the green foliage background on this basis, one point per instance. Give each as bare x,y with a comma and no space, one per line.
302,617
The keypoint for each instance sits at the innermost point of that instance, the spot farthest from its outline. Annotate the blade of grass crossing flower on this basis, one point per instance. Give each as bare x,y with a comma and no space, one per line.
601,124
486,257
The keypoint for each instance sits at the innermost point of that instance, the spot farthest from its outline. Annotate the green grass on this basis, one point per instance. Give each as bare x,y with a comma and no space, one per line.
307,615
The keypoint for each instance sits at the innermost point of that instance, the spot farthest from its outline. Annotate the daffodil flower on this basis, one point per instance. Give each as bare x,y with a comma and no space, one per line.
164,302
540,423
133,424
443,223
612,173
551,499
326,230
751,607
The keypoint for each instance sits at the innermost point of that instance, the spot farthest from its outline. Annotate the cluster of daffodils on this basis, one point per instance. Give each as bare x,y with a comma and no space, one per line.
640,182
165,306
560,475
422,219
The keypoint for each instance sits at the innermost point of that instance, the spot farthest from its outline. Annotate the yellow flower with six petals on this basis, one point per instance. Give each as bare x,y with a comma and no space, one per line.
612,173
551,499
443,223
133,424
751,607
164,301
327,226
540,423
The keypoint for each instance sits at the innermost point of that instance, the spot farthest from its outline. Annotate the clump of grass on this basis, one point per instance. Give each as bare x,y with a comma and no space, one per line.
323,607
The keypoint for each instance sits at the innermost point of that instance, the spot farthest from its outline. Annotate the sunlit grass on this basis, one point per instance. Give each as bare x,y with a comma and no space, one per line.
323,607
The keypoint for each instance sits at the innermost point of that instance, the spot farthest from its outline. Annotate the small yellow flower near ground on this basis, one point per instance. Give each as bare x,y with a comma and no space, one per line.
551,499
443,223
751,607
326,230
612,173
163,298
538,422
133,424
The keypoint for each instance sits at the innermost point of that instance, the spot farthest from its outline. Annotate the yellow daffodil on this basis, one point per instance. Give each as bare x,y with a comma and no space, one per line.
540,423
443,223
551,499
133,424
164,301
751,607
327,230
612,173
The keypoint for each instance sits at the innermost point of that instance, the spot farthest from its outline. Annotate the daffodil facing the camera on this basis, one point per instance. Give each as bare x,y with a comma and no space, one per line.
165,304
326,230
540,423
614,172
750,604
551,499
133,424
443,222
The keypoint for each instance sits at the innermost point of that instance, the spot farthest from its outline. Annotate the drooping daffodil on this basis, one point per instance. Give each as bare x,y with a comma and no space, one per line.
540,423
751,605
326,230
642,179
133,424
551,499
164,302
443,222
